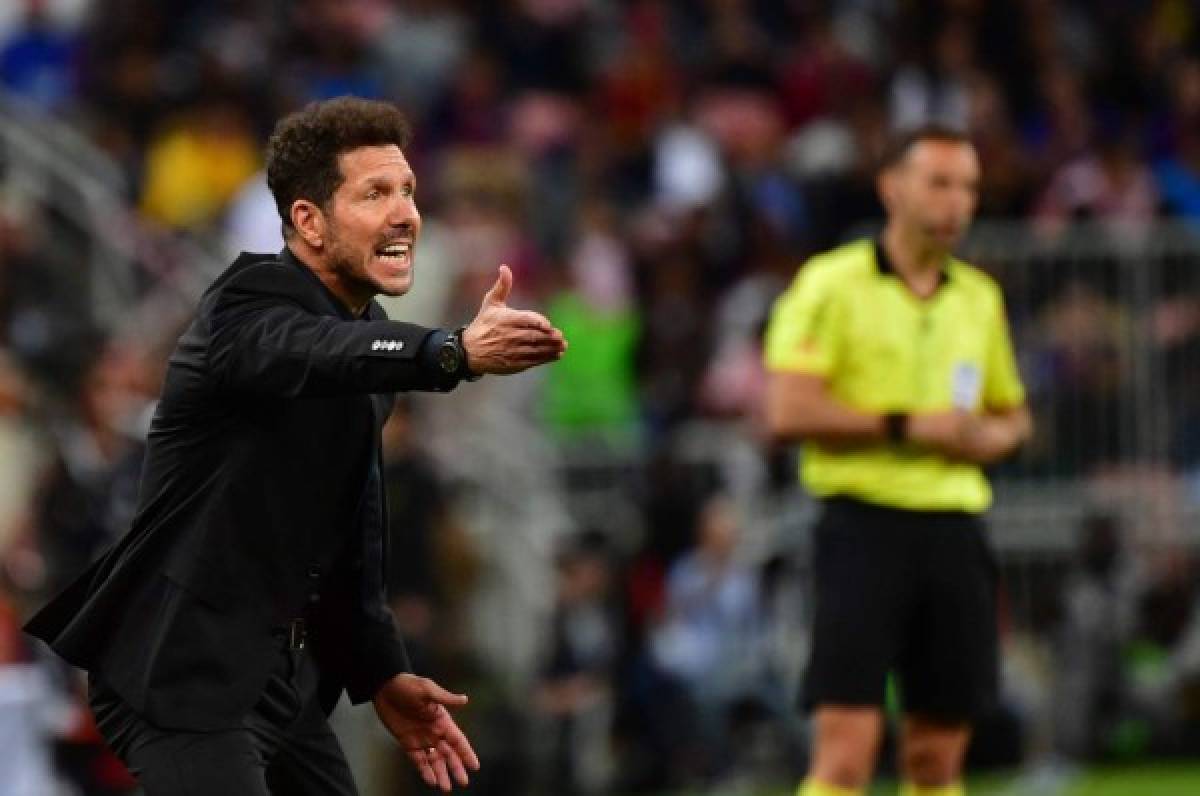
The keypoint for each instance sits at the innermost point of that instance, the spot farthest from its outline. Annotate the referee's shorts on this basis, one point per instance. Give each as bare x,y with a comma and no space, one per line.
908,592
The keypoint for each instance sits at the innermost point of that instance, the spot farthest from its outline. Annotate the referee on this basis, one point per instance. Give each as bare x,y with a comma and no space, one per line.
891,359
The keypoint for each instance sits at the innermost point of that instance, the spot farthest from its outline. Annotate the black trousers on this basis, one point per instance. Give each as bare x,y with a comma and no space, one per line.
284,747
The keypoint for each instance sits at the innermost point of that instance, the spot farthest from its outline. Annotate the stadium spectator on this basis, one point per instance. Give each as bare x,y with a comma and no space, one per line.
87,497
28,708
1098,608
21,456
574,693
1083,360
1110,184
196,166
38,59
709,639
592,396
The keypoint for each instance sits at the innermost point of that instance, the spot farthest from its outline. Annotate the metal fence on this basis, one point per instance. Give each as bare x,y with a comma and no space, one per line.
1102,319
1106,322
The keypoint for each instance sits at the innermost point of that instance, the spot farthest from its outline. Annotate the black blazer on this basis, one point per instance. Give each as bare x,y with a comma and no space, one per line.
260,502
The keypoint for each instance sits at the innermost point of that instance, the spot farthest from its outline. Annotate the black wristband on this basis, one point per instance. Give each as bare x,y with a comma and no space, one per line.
895,426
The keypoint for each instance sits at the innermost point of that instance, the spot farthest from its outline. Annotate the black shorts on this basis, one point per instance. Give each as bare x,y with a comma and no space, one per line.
912,593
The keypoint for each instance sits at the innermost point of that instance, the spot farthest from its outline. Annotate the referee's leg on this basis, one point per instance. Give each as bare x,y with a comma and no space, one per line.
861,587
949,668
931,755
845,746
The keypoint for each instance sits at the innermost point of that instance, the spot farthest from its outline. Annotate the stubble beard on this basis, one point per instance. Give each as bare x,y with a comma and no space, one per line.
349,266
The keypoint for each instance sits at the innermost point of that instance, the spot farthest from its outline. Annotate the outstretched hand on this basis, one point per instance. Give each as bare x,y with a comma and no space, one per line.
414,710
506,340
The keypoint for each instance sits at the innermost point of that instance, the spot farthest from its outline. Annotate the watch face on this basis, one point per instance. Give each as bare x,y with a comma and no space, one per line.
448,357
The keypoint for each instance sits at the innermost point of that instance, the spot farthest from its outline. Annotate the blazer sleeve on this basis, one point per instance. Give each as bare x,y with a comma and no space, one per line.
377,652
262,339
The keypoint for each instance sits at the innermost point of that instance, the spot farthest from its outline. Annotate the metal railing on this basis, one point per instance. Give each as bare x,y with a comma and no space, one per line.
1106,322
139,279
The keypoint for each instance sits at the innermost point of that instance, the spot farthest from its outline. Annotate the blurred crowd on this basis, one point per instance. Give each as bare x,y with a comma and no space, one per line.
654,171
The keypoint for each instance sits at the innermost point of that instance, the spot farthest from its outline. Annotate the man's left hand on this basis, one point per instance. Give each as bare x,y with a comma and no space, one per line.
504,340
414,710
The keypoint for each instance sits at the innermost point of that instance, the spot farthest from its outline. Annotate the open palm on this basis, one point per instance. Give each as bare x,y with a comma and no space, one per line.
414,710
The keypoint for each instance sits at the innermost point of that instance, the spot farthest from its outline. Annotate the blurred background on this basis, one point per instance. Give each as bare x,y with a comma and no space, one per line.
605,554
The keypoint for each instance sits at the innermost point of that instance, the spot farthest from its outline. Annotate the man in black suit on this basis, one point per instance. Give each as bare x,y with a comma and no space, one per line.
249,592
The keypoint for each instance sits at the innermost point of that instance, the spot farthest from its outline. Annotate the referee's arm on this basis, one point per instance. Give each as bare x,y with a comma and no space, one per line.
799,407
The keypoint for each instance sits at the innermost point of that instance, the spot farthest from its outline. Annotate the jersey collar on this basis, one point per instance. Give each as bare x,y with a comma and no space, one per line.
884,264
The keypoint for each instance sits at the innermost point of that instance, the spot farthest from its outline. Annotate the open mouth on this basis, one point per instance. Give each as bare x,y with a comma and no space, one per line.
395,253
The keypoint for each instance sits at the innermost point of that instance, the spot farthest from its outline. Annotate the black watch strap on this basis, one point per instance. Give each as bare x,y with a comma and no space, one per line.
464,371
895,425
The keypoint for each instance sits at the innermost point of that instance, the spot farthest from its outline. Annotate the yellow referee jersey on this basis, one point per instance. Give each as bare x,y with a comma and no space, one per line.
849,318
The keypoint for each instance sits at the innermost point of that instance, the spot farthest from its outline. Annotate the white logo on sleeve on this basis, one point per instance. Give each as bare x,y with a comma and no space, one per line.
387,345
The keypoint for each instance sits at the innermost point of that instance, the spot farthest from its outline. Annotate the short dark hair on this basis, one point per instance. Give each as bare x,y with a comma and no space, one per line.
902,143
302,155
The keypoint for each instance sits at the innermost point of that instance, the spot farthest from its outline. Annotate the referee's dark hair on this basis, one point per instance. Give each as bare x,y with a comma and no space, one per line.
899,146
302,155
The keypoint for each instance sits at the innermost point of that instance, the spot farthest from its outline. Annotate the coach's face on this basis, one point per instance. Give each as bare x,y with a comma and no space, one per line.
372,222
934,190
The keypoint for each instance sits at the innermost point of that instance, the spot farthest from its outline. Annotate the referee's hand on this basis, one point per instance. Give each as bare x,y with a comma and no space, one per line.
506,340
970,437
